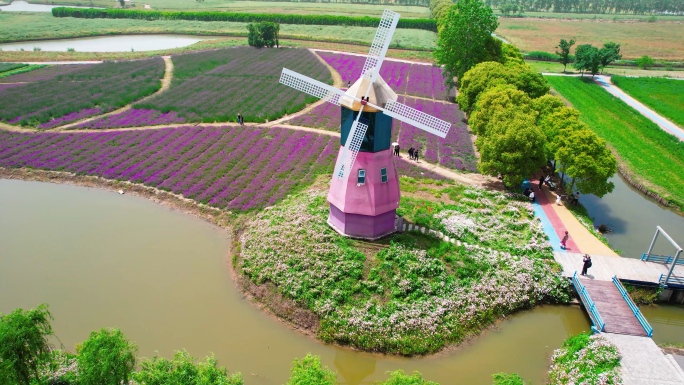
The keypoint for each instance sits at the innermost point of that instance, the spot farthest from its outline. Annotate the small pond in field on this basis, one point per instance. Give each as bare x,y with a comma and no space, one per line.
23,6
101,259
118,43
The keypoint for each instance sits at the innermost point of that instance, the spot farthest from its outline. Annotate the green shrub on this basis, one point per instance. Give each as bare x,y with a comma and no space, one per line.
106,358
310,371
507,379
182,370
355,21
645,62
541,55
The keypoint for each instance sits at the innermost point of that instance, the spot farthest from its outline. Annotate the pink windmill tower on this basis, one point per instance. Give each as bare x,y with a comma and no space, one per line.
364,192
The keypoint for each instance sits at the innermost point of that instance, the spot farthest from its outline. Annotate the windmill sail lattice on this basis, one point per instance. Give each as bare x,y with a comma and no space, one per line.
346,162
417,118
311,86
381,42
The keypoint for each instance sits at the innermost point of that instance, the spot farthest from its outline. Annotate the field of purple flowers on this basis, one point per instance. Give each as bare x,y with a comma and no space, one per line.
229,167
63,95
133,118
45,73
404,78
215,86
455,151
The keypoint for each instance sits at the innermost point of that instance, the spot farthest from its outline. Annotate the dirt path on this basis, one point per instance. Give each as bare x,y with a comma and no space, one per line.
165,84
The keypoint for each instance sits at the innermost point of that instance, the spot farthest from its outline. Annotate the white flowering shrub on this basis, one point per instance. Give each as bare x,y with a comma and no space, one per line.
415,296
585,360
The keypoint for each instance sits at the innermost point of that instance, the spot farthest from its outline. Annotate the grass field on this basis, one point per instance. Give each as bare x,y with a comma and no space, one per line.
260,7
661,40
555,67
34,26
666,96
594,16
655,157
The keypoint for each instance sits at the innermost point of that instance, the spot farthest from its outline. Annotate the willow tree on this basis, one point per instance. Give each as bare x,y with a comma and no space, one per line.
24,345
465,37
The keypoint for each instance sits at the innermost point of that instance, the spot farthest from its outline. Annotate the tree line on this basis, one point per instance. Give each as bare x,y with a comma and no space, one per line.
356,21
634,7
519,126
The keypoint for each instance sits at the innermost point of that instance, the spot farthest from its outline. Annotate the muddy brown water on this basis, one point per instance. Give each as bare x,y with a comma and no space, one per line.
106,260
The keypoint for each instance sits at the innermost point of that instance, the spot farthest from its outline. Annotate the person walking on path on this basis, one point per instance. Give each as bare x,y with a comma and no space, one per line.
396,150
416,154
410,152
541,181
564,240
241,120
587,263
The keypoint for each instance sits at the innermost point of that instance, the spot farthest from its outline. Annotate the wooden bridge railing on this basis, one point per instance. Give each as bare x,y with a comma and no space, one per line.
599,325
637,313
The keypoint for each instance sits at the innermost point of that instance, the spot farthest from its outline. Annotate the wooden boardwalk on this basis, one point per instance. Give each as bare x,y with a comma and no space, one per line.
604,268
614,310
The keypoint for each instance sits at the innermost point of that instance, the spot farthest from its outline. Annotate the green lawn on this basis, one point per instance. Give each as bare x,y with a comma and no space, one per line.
555,67
16,26
665,96
655,157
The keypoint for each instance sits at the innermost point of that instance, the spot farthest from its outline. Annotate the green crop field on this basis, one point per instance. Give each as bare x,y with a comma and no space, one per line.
655,157
259,7
34,26
661,40
665,96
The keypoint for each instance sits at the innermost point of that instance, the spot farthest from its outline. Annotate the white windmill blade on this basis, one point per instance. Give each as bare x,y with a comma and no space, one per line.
417,118
311,86
351,148
381,41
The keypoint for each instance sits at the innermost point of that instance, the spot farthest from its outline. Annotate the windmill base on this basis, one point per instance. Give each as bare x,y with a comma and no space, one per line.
362,226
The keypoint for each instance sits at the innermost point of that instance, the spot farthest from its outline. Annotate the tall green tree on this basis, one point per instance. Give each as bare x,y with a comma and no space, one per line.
24,345
587,58
514,148
584,157
608,54
106,358
497,104
564,53
463,37
479,79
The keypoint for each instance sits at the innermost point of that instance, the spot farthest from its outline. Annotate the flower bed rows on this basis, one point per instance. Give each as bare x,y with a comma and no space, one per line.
585,359
132,118
105,86
404,78
229,167
45,73
406,299
455,151
215,86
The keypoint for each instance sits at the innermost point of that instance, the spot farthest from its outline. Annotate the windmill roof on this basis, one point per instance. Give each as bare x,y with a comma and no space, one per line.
378,94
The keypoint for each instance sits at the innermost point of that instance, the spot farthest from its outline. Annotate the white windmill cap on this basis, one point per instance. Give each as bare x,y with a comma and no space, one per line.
379,94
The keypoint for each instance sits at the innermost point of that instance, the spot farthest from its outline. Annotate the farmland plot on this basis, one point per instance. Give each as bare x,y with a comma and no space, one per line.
404,78
232,167
85,91
215,86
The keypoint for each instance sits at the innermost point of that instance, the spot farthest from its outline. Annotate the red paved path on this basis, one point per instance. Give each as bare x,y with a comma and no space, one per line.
555,220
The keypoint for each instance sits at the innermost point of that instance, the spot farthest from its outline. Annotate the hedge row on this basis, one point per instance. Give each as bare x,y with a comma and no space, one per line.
357,21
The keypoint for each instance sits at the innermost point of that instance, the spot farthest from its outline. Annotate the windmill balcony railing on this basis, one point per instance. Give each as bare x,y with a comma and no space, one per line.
599,325
637,313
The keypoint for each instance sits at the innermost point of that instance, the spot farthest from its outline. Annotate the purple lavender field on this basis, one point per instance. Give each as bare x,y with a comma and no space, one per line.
45,73
456,151
404,78
133,118
215,86
230,167
62,95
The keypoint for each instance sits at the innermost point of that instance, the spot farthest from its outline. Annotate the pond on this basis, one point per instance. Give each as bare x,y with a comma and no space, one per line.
23,6
117,43
106,260
633,218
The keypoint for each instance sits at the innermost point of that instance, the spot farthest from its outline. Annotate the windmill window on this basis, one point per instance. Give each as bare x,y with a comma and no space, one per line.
383,175
361,179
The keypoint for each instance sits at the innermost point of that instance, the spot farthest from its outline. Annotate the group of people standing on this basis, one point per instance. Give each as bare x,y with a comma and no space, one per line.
241,120
413,153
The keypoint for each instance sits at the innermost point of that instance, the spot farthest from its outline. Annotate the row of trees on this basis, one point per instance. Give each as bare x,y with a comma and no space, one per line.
520,127
264,34
635,7
109,358
587,57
